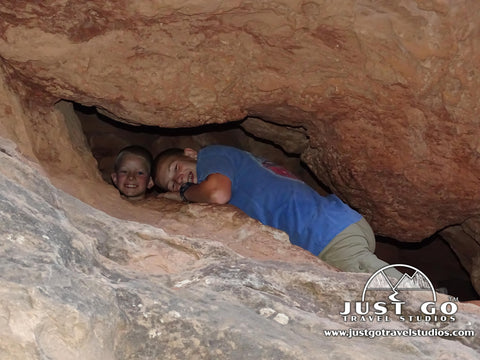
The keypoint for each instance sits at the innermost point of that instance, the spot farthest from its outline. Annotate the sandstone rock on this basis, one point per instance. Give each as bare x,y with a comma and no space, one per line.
77,283
465,241
291,140
388,94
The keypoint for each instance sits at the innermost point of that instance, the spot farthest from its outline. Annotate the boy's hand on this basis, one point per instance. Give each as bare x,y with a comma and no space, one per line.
172,195
215,189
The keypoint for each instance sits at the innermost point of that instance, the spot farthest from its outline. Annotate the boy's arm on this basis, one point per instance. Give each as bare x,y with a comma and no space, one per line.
215,189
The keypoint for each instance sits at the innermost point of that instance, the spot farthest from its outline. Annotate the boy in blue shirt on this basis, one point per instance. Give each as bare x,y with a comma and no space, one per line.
218,174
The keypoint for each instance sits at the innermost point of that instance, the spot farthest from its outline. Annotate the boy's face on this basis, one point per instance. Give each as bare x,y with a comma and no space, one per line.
174,171
132,178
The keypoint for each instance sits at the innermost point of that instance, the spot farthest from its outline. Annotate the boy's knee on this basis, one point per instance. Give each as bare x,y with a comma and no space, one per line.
370,263
364,262
367,232
361,262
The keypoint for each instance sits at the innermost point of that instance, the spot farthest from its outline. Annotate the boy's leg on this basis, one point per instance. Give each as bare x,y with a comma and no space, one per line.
353,251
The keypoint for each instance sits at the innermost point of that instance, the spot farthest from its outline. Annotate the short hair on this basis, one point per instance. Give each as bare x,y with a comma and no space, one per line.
135,150
163,156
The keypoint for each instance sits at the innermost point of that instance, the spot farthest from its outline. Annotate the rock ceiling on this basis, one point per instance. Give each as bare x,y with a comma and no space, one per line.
388,94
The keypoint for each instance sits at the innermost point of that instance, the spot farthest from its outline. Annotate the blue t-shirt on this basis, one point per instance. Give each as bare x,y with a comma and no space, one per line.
269,194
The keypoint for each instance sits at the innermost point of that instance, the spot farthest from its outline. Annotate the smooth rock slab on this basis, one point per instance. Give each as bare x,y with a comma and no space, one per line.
76,283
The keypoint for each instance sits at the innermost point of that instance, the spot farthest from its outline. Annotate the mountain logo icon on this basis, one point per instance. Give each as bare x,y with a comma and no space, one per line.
380,281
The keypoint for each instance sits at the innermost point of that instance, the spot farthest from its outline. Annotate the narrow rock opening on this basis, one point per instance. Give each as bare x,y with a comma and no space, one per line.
436,259
282,144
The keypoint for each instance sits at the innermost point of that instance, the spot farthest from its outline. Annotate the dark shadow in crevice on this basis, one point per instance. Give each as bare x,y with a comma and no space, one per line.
156,130
231,133
434,257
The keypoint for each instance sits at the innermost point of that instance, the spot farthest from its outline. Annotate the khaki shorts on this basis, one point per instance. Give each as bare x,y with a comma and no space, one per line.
353,249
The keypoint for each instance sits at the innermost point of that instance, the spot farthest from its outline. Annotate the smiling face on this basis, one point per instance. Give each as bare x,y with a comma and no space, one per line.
175,170
132,177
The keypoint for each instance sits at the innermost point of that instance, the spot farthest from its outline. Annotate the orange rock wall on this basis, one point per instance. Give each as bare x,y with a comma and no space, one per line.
388,92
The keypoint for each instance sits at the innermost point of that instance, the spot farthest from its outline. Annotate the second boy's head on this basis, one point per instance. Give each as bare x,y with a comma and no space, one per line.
131,173
175,167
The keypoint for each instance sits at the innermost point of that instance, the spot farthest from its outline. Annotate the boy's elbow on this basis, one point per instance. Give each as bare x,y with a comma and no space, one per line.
217,188
220,197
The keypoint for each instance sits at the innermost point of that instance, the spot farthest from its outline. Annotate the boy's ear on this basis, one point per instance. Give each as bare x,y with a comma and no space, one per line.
150,183
114,177
190,153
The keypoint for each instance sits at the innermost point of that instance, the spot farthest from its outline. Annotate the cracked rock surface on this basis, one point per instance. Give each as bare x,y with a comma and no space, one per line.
77,283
